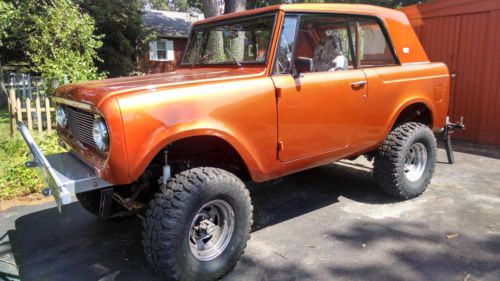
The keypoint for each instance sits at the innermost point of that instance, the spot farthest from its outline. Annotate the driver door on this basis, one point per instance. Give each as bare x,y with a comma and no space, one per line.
318,111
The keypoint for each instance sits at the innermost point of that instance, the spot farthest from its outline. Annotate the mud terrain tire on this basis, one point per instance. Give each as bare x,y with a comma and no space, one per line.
176,215
405,162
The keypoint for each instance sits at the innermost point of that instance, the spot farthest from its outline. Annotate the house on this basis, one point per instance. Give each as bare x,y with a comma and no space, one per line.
465,34
173,30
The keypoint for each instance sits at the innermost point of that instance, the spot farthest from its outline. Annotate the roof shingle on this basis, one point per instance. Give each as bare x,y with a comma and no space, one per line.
170,24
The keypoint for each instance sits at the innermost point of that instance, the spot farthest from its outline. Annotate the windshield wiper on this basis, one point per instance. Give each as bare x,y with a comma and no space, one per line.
231,55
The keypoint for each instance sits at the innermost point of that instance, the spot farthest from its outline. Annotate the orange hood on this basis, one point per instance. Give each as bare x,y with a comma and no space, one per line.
95,92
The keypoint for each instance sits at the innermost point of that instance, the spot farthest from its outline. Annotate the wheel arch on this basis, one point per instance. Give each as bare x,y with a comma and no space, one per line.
415,111
216,138
403,114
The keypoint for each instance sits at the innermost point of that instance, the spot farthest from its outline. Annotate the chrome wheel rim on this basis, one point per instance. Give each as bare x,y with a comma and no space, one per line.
211,230
415,162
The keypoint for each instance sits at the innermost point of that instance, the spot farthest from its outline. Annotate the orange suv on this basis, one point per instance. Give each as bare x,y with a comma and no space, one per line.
259,94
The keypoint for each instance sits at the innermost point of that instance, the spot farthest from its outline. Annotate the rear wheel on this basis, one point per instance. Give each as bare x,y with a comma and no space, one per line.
405,161
198,225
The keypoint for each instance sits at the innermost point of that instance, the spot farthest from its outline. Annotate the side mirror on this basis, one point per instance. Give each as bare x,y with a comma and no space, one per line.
302,65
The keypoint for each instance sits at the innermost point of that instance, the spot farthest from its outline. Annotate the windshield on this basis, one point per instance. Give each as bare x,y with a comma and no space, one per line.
236,42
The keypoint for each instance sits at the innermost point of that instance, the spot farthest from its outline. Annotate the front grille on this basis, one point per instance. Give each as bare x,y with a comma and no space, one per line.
80,124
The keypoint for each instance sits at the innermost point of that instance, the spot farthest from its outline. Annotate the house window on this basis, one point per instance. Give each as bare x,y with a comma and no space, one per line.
161,50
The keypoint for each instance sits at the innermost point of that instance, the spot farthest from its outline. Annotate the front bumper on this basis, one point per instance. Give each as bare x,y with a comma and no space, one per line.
63,172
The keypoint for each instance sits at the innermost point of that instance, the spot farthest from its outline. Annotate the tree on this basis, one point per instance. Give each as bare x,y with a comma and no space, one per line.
63,42
211,8
159,4
10,29
175,5
8,15
54,37
236,45
126,35
231,6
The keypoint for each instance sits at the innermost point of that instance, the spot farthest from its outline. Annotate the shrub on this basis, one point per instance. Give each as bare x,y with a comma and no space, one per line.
15,179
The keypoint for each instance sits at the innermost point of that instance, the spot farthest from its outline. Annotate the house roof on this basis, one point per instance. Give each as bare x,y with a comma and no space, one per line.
170,24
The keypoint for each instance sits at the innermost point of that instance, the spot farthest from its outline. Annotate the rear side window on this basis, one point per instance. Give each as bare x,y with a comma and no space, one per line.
370,44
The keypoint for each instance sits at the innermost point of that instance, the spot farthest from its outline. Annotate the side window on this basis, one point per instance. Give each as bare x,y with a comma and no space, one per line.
324,38
284,53
370,45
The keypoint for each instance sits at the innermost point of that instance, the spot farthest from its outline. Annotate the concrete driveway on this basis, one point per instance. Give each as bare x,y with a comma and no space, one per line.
328,223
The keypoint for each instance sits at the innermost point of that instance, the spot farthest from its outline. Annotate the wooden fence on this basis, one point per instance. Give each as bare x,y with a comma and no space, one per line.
36,112
29,101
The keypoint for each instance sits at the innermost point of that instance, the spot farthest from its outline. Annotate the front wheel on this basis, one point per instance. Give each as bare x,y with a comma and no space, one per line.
405,162
198,225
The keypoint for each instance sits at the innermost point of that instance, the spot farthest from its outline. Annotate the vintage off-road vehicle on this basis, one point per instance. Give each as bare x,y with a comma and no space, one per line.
259,94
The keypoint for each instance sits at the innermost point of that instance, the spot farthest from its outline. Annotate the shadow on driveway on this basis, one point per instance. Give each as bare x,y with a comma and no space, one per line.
78,246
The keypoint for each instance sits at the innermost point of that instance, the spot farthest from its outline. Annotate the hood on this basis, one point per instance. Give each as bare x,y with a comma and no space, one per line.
95,92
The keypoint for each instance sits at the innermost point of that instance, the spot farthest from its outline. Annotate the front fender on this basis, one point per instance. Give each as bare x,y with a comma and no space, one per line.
242,113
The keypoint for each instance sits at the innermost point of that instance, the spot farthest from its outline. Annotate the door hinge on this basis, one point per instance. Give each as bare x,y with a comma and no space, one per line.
281,146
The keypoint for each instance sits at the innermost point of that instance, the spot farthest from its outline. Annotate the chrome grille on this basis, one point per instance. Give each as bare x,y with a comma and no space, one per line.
80,124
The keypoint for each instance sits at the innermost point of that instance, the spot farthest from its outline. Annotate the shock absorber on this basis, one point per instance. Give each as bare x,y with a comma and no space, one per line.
166,169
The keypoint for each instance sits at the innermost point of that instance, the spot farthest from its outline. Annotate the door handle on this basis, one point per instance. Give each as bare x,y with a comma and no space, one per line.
358,84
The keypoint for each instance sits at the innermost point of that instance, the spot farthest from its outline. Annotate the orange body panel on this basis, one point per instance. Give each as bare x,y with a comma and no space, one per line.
318,118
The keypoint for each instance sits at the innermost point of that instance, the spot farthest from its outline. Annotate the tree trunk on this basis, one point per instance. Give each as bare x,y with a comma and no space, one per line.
232,6
236,45
211,8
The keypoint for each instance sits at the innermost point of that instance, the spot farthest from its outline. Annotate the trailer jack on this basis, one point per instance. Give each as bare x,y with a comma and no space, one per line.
448,130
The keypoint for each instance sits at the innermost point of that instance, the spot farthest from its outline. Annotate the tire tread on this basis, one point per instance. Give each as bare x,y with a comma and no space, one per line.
166,210
388,160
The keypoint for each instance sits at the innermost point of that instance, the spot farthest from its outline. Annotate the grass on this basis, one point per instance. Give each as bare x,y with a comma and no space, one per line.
15,179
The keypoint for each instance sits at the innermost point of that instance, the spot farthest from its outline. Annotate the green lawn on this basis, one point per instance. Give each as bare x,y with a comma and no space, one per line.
15,179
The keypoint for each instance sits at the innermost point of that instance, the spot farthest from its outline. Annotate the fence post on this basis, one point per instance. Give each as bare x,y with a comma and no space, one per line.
47,114
23,85
38,114
12,110
30,89
28,111
18,110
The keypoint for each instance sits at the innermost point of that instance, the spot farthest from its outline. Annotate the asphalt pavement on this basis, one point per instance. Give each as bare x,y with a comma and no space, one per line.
328,223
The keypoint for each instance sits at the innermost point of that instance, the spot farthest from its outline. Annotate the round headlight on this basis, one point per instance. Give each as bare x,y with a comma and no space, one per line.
100,134
61,119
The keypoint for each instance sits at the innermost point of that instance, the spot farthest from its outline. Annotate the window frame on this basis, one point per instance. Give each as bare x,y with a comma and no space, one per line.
155,58
232,20
348,19
385,33
292,62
